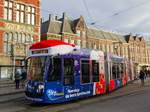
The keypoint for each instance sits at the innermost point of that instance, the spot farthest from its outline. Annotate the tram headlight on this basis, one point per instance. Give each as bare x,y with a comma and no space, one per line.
40,88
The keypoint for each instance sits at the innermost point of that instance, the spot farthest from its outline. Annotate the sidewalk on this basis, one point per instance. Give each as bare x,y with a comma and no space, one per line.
10,90
7,87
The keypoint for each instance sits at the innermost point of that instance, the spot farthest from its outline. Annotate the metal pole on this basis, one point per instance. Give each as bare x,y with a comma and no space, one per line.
0,72
107,72
14,61
13,67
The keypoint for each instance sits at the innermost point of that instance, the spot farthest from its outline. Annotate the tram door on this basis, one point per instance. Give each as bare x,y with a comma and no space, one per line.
68,71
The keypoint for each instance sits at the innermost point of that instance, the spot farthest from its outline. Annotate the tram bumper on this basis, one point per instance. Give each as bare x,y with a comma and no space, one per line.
34,91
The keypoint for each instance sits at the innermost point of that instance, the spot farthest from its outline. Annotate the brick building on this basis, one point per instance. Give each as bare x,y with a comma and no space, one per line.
19,28
76,31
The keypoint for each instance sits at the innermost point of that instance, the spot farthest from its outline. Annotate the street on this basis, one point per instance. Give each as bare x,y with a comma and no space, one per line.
131,98
137,102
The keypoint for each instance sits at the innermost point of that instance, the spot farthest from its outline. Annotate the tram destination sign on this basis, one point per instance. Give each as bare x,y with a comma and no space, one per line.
45,51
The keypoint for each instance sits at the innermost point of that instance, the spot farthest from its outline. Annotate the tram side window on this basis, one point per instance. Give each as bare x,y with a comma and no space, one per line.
122,69
114,71
85,70
95,71
68,71
55,70
117,70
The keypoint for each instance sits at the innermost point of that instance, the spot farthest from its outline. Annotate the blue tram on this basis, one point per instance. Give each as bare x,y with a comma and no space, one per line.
59,72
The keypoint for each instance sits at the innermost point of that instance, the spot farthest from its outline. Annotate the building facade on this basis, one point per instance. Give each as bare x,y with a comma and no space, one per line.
76,31
19,28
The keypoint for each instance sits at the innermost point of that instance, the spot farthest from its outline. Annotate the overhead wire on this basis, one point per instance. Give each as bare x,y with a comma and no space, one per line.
98,22
87,9
120,12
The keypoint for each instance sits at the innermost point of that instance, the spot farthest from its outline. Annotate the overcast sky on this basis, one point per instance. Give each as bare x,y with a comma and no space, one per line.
122,16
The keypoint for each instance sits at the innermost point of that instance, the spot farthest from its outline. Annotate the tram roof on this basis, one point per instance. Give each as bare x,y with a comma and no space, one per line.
48,43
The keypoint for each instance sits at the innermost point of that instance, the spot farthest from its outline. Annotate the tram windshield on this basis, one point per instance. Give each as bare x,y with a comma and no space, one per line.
36,68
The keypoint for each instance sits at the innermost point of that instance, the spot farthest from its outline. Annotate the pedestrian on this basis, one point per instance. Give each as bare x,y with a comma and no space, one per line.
23,77
17,78
148,73
142,76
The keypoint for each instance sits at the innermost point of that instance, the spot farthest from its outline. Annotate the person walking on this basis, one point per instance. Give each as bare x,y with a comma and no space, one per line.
142,77
23,77
17,78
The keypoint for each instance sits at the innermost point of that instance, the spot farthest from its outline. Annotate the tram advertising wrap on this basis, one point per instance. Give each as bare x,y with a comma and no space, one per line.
59,72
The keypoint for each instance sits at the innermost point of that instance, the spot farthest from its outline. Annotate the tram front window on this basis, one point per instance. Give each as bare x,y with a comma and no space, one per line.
36,66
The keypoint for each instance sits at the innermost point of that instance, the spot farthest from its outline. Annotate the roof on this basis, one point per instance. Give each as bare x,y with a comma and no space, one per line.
44,27
95,33
65,25
127,37
55,27
147,43
100,34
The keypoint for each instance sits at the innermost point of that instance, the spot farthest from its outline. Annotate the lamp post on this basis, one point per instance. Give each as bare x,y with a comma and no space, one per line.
13,60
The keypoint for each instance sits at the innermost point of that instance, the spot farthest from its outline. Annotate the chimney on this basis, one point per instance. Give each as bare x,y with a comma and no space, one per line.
41,20
56,17
64,15
50,17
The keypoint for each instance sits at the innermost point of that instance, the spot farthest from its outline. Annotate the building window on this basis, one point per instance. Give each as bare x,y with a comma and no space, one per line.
78,42
72,41
15,37
28,39
23,38
8,10
32,39
94,46
83,44
19,38
66,40
7,43
20,14
31,15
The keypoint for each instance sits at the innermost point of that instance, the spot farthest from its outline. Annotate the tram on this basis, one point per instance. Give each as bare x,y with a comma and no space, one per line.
59,72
